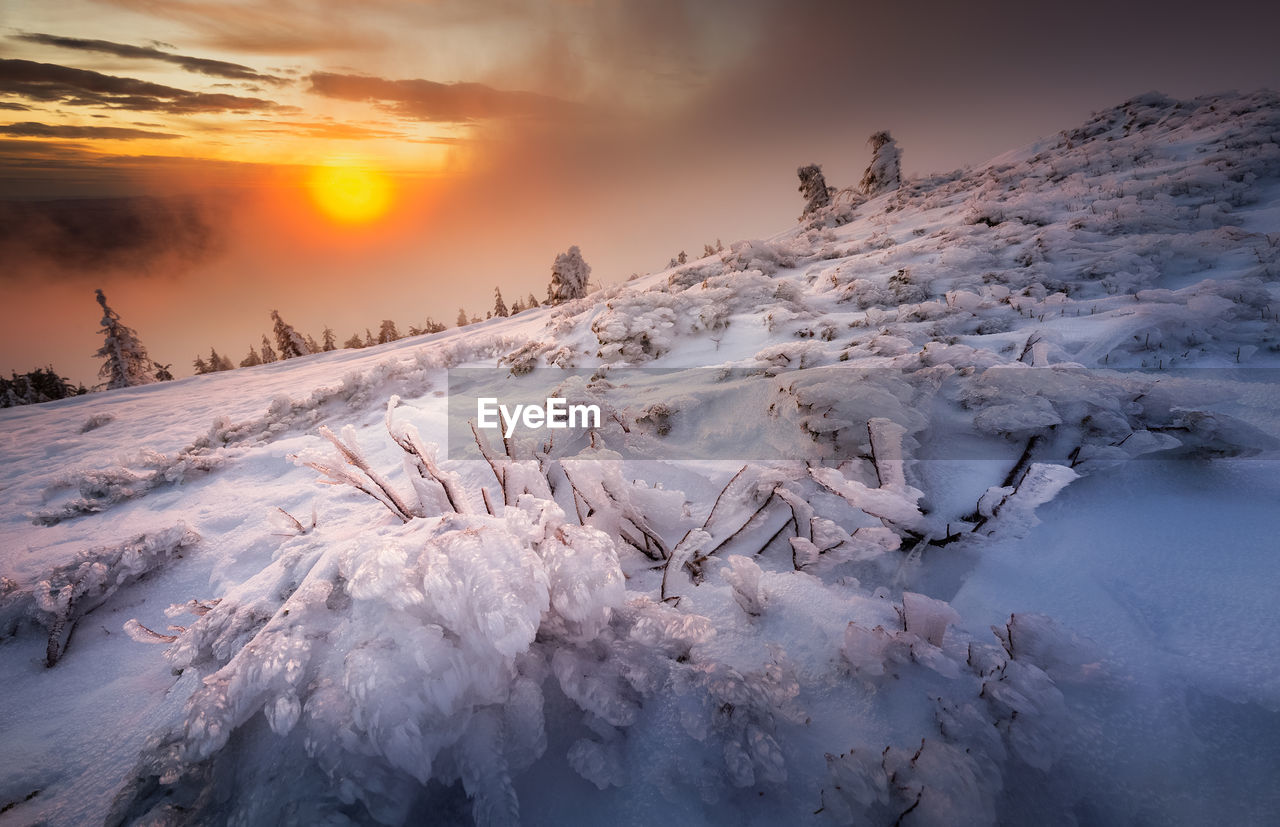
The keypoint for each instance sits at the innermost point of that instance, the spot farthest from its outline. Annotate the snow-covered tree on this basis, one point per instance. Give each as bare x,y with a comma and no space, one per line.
219,362
885,170
813,186
354,342
369,341
252,359
312,344
288,341
163,374
388,332
429,326
499,306
516,307
328,340
39,385
531,302
569,276
462,320
127,363
267,352
213,364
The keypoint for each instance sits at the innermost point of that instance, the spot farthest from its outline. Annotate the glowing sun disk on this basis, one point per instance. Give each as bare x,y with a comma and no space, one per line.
350,195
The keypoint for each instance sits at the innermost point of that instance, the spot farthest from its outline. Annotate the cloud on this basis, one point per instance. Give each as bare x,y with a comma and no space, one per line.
31,129
82,87
199,65
282,27
85,238
428,100
327,129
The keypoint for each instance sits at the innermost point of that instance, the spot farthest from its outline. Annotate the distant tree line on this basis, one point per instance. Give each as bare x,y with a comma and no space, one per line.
127,364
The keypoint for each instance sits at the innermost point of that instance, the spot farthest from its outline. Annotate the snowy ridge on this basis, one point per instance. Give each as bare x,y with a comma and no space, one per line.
555,634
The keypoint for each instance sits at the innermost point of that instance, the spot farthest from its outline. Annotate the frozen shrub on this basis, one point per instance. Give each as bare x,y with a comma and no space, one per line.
70,592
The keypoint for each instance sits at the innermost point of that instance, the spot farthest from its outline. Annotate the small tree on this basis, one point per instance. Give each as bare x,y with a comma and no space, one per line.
219,362
200,365
288,341
127,363
267,352
462,320
813,186
252,359
531,302
569,274
39,385
354,342
885,171
388,332
499,306
328,340
429,326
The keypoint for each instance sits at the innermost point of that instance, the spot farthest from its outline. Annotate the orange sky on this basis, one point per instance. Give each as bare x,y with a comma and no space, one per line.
470,142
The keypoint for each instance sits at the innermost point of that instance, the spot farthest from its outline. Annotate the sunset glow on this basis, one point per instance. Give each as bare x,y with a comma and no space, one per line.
350,195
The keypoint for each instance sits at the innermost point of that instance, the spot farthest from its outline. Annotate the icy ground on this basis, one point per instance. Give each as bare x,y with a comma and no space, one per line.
988,535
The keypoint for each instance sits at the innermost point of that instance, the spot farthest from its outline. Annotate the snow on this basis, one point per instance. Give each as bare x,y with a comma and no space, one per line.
950,505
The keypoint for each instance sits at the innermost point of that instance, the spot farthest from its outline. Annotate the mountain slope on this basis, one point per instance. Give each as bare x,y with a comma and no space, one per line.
1038,394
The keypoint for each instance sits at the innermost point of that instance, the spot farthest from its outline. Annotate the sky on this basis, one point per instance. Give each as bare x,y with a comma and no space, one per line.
205,163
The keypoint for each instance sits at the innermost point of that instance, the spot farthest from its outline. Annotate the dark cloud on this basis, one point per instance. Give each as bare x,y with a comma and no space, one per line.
17,107
81,87
87,237
428,100
31,129
199,65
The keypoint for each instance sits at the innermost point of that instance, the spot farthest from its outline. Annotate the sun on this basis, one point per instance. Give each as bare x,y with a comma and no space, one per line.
350,195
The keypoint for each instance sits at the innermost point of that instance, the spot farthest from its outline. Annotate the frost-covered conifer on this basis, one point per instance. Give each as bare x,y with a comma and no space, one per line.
218,362
201,366
499,306
884,172
531,302
252,359
39,385
813,186
462,320
429,326
127,363
288,341
354,342
369,341
328,340
388,332
569,276
267,352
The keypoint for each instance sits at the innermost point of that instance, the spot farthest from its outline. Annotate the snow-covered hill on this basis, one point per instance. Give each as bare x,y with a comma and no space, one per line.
952,505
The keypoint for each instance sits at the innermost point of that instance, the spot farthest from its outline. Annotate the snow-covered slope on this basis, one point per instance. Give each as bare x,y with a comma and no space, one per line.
948,506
